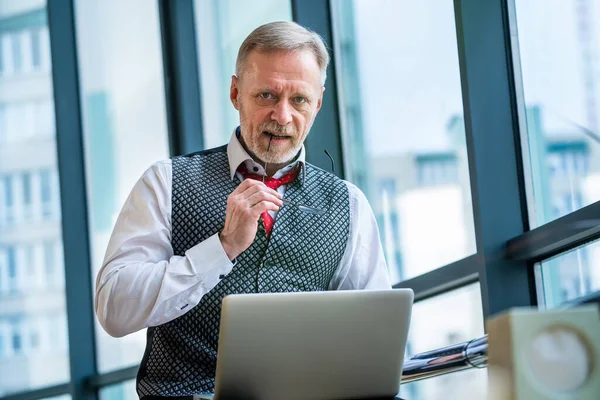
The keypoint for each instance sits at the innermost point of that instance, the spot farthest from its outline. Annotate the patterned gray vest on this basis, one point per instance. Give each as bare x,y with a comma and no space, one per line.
302,254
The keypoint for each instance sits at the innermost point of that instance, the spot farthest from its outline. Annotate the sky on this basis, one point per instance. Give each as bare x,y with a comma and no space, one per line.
409,72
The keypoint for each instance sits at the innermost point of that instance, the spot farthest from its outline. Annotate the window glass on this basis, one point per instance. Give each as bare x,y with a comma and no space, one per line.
2,121
35,49
569,276
27,195
8,191
448,319
7,59
222,26
28,180
557,57
26,188
17,51
403,128
122,391
125,128
2,62
11,262
49,254
46,192
61,397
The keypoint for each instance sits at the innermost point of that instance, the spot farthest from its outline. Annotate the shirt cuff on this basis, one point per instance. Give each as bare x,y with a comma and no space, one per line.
209,261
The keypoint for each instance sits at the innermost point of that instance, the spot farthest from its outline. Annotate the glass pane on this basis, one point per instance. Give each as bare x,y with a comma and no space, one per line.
570,275
222,26
125,131
122,391
559,46
402,120
34,348
444,320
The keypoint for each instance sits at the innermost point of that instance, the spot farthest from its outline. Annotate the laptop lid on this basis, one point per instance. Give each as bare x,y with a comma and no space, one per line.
313,345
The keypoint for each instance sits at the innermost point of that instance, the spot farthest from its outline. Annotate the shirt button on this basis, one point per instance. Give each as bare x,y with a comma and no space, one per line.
255,169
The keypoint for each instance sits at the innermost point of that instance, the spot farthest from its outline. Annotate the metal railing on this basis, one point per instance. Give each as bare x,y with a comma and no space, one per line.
472,354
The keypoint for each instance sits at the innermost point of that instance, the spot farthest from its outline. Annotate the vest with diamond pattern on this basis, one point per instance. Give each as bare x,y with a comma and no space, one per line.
302,254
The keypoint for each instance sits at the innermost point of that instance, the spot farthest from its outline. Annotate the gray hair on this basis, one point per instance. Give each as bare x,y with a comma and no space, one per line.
286,36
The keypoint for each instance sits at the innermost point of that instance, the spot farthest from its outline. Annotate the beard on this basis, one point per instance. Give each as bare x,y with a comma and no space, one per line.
255,141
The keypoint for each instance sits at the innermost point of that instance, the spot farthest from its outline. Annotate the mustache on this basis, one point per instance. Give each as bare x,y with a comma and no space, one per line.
276,128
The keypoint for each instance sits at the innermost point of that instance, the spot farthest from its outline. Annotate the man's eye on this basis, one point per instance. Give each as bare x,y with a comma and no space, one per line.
266,96
299,100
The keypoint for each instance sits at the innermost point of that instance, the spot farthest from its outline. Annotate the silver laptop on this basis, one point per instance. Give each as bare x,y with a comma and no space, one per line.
312,345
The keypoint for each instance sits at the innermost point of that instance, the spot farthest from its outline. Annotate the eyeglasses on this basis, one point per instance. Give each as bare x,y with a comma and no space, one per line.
302,207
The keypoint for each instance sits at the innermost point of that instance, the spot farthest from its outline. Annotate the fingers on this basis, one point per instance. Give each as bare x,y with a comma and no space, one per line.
251,186
252,197
261,196
263,206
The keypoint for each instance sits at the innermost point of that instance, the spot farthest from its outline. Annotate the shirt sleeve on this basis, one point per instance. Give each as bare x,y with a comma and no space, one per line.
141,282
363,264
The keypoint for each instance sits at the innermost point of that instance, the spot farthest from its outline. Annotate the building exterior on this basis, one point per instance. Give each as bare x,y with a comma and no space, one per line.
33,334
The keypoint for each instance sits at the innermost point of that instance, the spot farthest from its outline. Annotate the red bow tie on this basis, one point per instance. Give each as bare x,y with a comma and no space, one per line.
272,183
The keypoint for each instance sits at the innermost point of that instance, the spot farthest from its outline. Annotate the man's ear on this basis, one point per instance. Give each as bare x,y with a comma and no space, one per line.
320,101
234,91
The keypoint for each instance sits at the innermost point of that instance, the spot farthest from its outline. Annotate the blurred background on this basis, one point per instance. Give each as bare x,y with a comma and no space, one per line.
396,95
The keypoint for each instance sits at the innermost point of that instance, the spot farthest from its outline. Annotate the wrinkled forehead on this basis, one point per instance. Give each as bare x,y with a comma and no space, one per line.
283,68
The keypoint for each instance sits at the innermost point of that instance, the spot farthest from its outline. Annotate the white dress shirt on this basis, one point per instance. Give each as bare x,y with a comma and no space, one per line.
142,283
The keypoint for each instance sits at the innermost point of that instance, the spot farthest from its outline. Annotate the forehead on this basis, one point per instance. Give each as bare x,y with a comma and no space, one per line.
281,68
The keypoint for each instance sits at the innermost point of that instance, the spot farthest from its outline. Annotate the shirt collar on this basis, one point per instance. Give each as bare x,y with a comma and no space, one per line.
237,154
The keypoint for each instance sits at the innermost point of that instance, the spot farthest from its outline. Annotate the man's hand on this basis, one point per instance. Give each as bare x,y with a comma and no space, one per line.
244,207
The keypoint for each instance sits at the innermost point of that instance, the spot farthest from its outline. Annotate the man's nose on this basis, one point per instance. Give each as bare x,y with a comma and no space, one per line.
282,113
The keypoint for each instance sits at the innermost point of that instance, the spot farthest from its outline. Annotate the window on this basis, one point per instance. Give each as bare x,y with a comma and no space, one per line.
27,200
2,62
16,341
8,191
437,169
12,121
46,193
560,102
402,120
222,25
8,200
49,261
36,53
61,397
14,262
17,52
27,128
569,276
44,119
11,262
3,125
123,104
2,345
34,340
122,391
45,48
448,319
29,267
27,162
26,53
7,57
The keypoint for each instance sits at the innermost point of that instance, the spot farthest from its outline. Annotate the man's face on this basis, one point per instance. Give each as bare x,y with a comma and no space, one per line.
279,94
